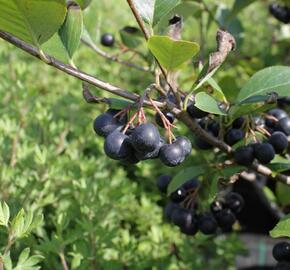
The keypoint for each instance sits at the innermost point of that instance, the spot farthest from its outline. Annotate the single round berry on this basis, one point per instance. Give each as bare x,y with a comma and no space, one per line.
202,144
216,206
106,123
191,230
284,125
171,155
178,195
239,122
234,201
185,144
107,40
283,102
117,145
163,182
279,141
281,252
225,218
278,114
195,112
191,184
182,217
145,137
214,128
281,13
264,152
244,155
169,209
169,116
207,224
282,266
234,135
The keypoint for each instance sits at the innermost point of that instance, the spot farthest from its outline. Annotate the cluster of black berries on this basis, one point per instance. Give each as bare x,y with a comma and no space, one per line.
277,123
281,253
281,13
139,143
182,210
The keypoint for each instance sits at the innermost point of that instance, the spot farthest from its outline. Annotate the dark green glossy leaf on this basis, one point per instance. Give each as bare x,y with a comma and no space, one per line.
271,79
183,176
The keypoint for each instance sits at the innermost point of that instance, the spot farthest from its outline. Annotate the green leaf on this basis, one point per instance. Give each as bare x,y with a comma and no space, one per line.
282,229
183,176
131,36
283,194
71,31
152,11
84,3
28,263
271,79
33,21
172,53
218,92
207,103
118,104
238,6
4,214
7,261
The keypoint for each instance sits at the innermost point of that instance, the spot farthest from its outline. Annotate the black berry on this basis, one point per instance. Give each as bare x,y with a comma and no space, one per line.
107,40
178,195
239,122
244,155
225,218
278,114
279,141
185,144
284,125
145,137
191,229
163,182
234,135
171,154
106,123
281,13
117,145
234,201
207,224
169,116
182,217
195,112
264,152
216,207
281,252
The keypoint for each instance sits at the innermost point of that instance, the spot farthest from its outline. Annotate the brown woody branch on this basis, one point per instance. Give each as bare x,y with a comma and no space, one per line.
73,71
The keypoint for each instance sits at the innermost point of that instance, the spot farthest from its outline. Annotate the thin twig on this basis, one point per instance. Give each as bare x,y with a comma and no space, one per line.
114,58
63,261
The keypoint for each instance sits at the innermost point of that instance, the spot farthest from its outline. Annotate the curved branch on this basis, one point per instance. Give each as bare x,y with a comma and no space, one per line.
73,71
100,52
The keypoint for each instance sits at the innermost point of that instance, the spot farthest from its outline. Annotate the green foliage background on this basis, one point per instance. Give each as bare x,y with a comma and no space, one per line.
99,214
